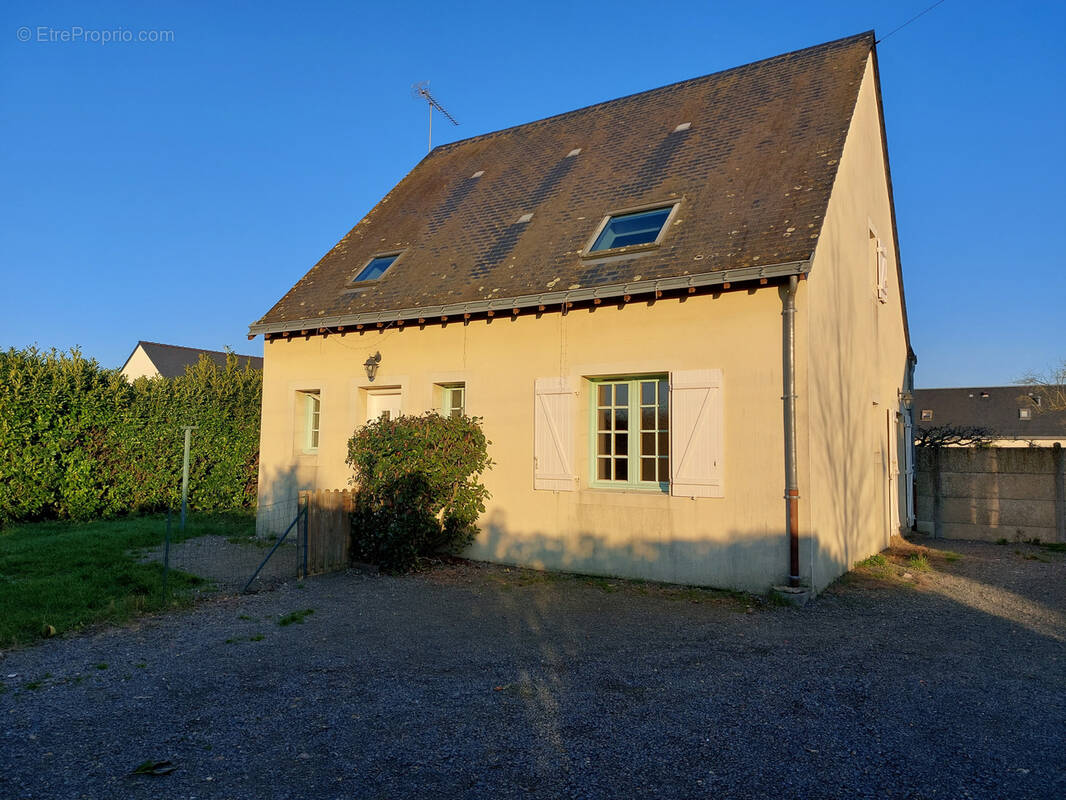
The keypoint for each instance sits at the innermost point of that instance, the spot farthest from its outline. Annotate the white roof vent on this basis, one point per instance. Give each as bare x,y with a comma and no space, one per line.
525,218
478,174
684,126
575,152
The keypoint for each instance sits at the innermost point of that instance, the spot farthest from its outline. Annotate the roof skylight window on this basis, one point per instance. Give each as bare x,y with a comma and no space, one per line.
628,230
375,268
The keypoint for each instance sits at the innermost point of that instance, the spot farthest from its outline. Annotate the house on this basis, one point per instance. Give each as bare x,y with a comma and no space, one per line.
680,314
152,360
1010,415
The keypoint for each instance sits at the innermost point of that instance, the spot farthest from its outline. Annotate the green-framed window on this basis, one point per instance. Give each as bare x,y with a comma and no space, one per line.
630,433
454,400
313,407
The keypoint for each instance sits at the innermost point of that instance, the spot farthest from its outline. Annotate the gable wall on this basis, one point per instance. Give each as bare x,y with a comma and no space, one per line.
139,365
735,541
856,363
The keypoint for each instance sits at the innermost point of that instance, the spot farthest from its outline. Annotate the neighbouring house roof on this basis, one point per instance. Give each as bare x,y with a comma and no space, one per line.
992,407
751,153
171,359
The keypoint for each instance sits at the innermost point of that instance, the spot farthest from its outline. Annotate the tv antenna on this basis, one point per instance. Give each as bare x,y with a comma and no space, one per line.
421,91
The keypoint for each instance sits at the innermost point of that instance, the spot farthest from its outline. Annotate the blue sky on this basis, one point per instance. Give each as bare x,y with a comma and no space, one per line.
173,191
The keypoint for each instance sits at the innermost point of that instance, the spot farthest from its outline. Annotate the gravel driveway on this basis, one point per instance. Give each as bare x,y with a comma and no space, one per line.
476,681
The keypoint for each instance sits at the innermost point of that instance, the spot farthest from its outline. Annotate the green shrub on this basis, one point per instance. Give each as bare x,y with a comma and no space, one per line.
418,487
78,441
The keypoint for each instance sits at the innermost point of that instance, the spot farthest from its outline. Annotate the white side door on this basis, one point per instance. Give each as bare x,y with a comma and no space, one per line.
382,403
908,460
553,434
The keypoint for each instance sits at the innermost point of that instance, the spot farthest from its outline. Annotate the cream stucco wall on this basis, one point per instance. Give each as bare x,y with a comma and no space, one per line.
735,541
851,363
856,362
139,365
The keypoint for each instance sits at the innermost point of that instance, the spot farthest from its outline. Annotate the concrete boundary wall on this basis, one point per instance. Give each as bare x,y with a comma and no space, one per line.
992,493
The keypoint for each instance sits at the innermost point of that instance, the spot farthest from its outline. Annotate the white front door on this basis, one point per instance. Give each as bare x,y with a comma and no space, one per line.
382,403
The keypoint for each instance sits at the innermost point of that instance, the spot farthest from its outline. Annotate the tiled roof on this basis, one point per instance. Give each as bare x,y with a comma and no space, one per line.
994,408
171,359
753,172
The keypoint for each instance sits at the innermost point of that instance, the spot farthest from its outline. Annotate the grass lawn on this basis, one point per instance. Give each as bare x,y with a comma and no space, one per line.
59,576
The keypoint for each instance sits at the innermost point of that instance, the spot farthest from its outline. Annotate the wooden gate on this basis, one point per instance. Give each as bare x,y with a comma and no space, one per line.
328,529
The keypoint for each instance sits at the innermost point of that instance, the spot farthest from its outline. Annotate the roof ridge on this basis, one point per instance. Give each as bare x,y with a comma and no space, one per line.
554,117
195,349
980,387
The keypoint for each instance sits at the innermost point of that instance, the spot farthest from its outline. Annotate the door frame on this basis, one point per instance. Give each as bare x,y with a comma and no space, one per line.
383,392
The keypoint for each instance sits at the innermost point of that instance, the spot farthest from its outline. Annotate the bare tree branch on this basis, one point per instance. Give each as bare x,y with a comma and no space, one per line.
1047,389
953,436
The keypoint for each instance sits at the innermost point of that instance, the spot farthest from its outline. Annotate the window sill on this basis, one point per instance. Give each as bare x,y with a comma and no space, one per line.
600,488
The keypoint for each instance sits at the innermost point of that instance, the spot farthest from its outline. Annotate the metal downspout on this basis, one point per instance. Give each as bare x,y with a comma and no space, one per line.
788,314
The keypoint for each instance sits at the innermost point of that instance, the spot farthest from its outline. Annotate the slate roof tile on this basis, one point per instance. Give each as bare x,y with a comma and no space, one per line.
753,174
992,407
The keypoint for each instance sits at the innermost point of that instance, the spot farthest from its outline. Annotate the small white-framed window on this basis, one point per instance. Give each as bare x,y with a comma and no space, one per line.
644,227
1025,413
927,414
453,399
312,419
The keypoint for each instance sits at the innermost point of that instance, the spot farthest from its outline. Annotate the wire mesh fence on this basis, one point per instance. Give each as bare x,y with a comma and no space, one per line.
220,553
223,554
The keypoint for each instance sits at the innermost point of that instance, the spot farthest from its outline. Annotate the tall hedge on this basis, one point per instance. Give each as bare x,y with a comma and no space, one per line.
79,441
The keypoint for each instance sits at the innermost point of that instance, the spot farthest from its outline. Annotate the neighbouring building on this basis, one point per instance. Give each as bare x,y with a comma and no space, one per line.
152,360
679,313
1011,416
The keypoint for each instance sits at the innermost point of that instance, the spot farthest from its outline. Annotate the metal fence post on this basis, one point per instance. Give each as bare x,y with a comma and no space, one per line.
307,531
185,475
166,557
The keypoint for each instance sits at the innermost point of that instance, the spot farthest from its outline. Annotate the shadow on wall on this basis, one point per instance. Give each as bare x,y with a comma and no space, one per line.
277,500
744,561
992,493
853,517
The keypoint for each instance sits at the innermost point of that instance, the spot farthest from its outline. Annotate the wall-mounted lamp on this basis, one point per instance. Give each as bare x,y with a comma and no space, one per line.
371,365
907,399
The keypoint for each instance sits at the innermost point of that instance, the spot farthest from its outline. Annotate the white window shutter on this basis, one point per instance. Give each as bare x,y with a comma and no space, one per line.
696,433
553,434
882,274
